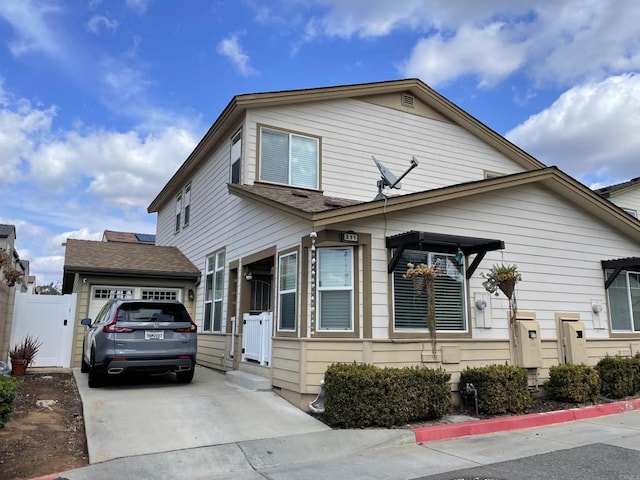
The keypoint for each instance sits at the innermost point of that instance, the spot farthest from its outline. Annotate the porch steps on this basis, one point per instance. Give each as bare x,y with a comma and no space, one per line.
248,380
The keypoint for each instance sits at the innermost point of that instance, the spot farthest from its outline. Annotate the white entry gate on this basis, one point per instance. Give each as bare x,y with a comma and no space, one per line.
49,318
256,337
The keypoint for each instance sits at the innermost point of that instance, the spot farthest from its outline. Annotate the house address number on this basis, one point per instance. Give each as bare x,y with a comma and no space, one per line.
349,237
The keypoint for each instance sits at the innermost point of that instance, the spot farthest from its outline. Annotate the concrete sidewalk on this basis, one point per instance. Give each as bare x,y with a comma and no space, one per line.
364,454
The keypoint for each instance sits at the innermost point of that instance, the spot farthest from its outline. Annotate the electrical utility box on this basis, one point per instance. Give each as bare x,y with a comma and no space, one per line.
529,346
574,342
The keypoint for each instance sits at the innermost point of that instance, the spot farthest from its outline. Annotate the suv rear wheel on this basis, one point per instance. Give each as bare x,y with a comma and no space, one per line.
186,376
84,367
96,379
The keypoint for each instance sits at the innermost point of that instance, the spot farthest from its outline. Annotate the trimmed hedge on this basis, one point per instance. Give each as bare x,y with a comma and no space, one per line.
360,396
8,387
501,388
573,383
619,376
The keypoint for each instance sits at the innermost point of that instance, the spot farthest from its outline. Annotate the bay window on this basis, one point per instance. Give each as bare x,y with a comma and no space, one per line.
214,287
624,302
287,291
335,289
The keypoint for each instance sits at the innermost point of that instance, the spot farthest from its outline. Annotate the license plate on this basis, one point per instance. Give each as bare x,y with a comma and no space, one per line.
154,334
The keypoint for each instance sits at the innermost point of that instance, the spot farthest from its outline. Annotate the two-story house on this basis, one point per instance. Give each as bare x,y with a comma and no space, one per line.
302,245
626,195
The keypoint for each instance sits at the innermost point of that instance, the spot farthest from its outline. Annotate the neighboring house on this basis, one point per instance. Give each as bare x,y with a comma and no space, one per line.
31,284
302,268
626,195
113,236
7,243
99,271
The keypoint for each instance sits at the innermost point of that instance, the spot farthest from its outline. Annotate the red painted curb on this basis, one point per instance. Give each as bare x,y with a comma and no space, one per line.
492,425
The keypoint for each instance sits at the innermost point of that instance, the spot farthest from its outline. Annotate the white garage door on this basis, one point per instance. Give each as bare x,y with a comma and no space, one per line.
101,294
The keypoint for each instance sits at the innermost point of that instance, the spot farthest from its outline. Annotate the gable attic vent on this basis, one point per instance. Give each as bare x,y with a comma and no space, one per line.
407,100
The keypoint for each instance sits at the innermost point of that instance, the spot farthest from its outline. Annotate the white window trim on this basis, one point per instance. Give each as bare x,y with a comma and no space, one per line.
218,266
291,134
186,219
235,138
178,213
294,290
465,319
351,289
630,330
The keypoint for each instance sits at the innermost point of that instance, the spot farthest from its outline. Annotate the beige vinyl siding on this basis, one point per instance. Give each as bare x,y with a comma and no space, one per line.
211,350
353,130
628,199
557,247
286,363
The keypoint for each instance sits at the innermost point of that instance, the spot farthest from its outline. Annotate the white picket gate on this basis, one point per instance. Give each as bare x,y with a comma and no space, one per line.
256,337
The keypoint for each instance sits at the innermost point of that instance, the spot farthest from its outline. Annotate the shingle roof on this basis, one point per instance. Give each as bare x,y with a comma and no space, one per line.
6,230
113,236
303,200
618,186
118,258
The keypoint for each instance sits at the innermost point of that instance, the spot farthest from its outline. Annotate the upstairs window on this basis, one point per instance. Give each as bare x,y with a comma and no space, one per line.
624,302
288,158
178,211
410,308
187,204
236,157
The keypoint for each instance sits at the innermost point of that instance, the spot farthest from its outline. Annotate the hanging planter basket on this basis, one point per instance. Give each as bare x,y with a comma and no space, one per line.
508,286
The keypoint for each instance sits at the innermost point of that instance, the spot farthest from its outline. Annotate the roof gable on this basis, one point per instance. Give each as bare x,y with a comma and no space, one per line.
436,104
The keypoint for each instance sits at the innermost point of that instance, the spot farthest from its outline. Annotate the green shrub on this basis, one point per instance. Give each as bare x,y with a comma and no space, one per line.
619,376
573,383
359,396
8,387
501,388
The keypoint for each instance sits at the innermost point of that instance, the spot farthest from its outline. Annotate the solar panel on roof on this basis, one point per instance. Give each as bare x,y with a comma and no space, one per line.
146,237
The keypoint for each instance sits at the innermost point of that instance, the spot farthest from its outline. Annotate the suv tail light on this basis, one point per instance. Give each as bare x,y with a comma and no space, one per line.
193,328
112,328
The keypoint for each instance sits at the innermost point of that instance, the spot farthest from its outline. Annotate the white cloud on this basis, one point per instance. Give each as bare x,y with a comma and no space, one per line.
79,181
29,21
483,52
96,22
230,48
551,42
590,131
138,6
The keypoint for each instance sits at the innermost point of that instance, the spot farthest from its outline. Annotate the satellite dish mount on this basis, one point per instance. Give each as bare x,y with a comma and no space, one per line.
388,179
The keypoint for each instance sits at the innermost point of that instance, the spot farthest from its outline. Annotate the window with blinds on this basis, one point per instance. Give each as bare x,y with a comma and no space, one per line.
624,302
288,274
335,288
410,306
288,158
213,290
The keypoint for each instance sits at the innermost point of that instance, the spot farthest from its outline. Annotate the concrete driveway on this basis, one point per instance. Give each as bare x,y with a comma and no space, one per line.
145,415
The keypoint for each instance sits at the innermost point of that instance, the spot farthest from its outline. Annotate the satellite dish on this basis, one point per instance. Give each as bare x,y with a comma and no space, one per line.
388,179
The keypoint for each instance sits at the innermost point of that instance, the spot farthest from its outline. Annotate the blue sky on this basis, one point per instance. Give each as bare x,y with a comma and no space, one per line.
102,100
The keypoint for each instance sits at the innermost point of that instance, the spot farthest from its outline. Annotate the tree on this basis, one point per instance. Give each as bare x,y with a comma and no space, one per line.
51,289
10,273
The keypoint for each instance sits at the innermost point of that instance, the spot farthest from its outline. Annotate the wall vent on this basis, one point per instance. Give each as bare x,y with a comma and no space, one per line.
407,100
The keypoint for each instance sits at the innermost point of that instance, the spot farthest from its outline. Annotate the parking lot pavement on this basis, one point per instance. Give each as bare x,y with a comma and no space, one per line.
155,414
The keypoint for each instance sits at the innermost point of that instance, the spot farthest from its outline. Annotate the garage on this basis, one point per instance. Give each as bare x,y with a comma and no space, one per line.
99,271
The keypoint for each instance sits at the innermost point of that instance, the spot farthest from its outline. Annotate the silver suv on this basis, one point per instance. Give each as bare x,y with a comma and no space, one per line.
139,336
